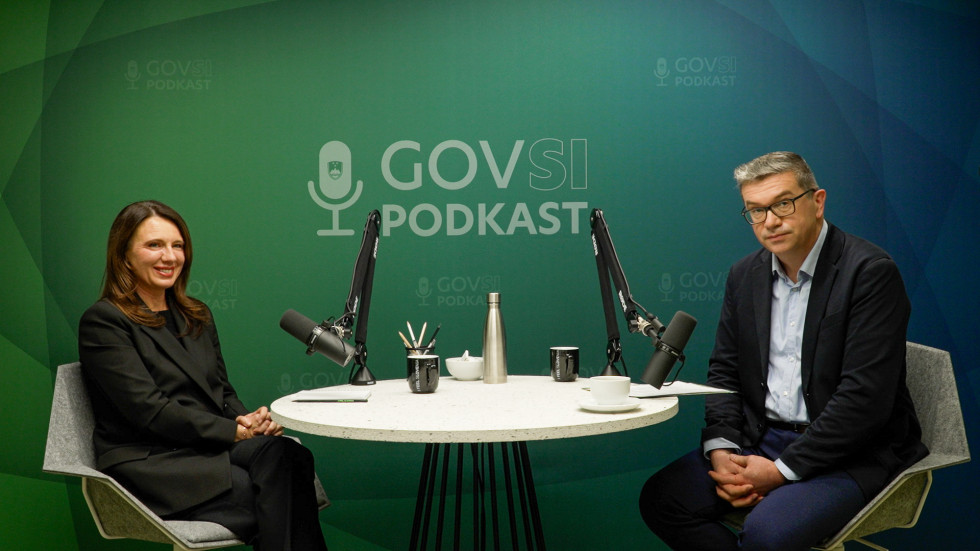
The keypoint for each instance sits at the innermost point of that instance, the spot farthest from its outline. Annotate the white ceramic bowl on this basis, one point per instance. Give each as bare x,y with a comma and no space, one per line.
470,369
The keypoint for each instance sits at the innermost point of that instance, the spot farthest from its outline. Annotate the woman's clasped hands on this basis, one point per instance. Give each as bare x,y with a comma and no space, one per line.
257,423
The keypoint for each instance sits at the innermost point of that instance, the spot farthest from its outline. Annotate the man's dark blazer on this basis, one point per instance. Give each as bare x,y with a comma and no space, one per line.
164,409
853,364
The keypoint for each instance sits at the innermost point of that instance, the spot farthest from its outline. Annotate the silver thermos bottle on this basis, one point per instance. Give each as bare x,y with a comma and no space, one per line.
494,343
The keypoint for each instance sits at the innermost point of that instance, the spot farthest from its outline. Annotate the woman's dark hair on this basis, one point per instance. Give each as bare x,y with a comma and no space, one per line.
119,282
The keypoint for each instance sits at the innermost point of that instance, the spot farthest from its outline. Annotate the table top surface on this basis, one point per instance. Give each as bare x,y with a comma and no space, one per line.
523,408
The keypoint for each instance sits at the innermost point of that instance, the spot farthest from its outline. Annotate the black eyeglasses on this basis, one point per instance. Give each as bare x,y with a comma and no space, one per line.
781,209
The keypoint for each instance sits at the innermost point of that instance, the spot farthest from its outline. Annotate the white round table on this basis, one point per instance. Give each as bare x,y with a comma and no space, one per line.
473,415
524,408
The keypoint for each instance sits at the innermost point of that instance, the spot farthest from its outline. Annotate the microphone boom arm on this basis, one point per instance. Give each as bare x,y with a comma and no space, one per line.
609,267
362,282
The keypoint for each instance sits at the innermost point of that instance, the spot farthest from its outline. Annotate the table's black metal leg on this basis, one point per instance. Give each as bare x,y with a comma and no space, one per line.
459,495
420,498
525,459
495,525
523,479
508,485
440,522
522,494
429,491
479,510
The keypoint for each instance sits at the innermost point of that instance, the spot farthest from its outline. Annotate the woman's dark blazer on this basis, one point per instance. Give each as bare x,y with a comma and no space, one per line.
164,409
853,364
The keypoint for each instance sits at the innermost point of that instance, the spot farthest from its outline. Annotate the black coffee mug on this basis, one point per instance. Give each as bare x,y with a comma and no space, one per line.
423,373
564,363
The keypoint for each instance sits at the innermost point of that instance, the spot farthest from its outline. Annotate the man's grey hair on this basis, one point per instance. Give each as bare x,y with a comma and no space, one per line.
776,162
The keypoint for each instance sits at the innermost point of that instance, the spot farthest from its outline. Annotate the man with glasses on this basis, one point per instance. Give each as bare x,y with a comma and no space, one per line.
812,339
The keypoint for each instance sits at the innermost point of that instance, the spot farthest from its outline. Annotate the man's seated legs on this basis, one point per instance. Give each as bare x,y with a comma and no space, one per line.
680,505
800,515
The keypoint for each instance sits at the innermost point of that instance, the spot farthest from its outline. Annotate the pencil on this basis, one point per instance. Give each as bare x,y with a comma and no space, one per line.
407,344
412,333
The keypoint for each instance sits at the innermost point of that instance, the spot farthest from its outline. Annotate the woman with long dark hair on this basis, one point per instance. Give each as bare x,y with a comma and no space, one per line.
169,425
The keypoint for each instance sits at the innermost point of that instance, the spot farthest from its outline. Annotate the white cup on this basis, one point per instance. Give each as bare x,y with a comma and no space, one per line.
609,390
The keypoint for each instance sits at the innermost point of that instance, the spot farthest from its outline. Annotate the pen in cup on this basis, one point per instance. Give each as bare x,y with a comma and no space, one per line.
412,334
432,341
414,346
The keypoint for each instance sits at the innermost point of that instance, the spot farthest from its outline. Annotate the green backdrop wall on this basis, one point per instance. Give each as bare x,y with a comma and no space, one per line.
484,132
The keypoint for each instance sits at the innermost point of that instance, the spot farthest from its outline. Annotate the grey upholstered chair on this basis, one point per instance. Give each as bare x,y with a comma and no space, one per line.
117,513
933,387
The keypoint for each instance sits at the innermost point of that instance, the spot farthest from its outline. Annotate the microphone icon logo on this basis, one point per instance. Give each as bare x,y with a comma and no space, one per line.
666,286
285,384
661,71
132,73
335,184
424,291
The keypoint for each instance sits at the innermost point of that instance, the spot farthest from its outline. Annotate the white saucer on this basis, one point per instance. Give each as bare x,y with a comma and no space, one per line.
590,405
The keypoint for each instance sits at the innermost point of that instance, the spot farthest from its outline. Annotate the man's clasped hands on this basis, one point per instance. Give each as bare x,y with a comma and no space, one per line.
743,480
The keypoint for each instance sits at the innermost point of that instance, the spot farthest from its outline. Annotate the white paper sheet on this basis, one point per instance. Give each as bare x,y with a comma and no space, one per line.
677,388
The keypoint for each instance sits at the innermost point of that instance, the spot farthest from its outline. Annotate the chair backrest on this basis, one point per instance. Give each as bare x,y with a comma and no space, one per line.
69,448
932,383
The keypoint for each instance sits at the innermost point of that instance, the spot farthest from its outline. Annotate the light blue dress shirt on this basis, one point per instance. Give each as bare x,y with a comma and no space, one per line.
784,398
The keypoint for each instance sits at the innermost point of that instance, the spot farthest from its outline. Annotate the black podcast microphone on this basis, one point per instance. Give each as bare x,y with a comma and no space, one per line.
318,338
670,347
